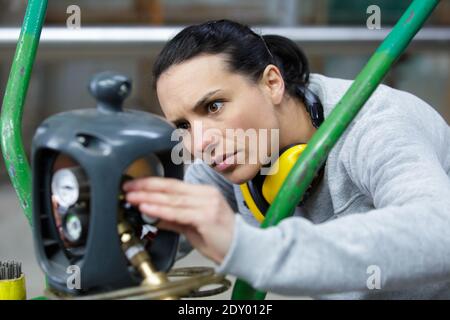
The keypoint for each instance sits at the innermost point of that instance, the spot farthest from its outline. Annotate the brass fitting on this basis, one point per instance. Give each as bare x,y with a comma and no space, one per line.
139,257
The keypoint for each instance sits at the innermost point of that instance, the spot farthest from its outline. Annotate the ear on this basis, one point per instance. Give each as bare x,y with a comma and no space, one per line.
272,81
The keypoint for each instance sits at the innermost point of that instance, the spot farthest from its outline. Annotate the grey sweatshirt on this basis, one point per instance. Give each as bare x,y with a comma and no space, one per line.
377,226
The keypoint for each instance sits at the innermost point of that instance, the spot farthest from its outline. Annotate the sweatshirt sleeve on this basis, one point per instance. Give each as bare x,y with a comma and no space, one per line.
397,163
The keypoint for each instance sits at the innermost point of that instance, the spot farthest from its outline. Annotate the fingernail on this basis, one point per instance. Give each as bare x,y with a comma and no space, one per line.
148,207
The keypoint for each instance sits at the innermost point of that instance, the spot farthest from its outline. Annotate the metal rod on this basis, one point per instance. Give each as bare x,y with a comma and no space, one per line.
303,172
100,36
11,117
110,41
10,270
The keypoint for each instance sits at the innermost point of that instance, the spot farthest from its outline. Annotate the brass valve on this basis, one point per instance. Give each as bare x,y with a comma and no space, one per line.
139,257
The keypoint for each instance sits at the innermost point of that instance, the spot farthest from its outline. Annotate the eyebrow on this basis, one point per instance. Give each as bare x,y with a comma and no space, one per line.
200,103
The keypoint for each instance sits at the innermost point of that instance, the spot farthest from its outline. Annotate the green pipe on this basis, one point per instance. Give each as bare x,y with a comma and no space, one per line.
12,109
331,130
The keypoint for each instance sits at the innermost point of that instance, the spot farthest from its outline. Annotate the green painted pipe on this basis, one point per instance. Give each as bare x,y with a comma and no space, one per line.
12,109
334,126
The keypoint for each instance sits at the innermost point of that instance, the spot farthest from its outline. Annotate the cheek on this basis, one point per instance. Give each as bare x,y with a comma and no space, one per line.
259,116
253,112
256,118
188,145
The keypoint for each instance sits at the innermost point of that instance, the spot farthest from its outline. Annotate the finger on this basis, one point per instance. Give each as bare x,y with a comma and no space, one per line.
54,203
154,184
56,214
168,185
181,216
170,226
159,198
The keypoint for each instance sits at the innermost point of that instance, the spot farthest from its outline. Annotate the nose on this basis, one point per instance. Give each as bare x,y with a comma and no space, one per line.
205,140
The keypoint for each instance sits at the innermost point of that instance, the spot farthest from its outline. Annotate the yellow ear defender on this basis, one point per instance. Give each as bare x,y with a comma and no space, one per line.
260,192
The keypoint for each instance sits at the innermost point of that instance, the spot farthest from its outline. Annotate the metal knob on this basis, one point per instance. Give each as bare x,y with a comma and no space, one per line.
110,89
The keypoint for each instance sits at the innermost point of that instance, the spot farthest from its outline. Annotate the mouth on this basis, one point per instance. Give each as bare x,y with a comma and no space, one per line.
220,164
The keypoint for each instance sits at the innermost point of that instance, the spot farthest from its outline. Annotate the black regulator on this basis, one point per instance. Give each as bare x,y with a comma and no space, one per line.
80,161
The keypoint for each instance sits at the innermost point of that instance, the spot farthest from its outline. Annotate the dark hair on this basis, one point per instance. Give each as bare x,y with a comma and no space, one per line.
246,53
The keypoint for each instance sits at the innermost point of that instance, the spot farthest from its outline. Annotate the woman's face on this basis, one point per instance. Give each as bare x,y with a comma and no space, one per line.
206,100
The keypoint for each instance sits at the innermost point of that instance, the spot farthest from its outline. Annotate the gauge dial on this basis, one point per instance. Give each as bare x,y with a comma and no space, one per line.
65,187
73,228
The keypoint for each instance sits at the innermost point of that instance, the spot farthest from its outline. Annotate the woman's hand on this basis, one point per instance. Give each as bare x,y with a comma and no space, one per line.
200,212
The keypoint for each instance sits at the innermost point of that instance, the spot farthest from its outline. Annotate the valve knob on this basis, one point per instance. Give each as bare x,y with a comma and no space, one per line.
110,89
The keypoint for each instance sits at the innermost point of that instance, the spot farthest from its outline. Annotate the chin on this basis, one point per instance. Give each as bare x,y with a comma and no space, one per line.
241,173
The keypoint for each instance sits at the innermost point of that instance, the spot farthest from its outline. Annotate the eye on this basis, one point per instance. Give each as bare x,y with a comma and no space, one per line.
183,125
214,106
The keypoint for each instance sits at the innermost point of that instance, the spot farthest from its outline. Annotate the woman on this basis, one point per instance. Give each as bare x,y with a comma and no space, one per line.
375,226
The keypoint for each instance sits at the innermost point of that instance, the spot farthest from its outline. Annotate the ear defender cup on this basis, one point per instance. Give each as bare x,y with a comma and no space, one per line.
260,192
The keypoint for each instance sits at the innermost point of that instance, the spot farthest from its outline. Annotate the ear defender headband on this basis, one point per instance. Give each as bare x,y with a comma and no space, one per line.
260,192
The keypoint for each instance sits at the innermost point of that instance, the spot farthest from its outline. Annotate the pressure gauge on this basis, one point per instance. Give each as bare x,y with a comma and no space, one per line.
69,186
75,226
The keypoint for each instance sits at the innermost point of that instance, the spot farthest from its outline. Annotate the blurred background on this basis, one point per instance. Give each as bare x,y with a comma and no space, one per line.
126,35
